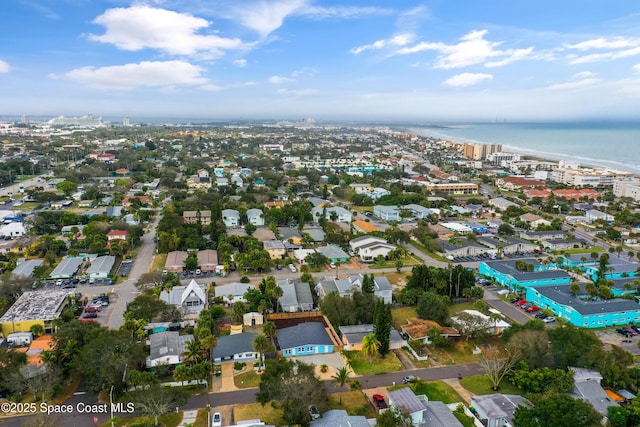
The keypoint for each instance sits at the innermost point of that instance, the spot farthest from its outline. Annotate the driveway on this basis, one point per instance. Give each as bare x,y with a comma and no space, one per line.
610,336
333,360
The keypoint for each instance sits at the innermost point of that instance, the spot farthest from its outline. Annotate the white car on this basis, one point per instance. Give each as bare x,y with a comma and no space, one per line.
293,268
216,421
333,265
549,319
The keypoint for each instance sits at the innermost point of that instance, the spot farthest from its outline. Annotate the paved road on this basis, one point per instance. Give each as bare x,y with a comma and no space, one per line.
127,290
249,395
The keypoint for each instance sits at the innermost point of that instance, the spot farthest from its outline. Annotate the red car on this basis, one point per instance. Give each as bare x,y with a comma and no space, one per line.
521,302
378,400
532,309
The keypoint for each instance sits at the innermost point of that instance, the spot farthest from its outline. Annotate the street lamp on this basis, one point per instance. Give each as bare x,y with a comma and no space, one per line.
111,405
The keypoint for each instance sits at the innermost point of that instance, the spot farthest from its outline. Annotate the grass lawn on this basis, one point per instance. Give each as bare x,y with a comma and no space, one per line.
362,366
247,379
400,315
432,254
354,402
481,385
170,419
460,352
158,262
456,308
26,207
437,391
253,411
464,419
406,262
586,252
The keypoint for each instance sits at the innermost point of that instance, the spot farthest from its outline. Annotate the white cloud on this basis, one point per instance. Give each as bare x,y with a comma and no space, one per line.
4,67
604,43
466,79
143,74
594,57
298,92
472,49
395,41
514,55
583,75
574,84
240,62
140,26
265,17
210,88
636,68
342,12
278,80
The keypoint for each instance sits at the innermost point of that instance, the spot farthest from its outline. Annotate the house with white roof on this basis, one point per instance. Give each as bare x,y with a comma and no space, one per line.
370,247
334,213
191,299
232,292
255,217
231,217
167,348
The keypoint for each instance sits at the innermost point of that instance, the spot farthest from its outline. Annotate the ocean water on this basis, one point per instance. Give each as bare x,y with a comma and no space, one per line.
613,145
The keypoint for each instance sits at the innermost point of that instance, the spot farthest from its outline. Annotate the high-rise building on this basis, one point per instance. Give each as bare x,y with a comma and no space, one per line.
25,119
126,122
480,151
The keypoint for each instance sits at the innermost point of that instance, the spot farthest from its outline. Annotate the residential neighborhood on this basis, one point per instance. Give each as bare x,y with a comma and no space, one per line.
348,275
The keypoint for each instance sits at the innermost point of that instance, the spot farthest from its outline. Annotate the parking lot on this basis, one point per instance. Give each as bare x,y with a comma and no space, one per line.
489,257
610,336
125,268
73,283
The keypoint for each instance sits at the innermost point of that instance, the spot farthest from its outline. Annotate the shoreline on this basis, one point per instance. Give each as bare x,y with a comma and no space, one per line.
534,154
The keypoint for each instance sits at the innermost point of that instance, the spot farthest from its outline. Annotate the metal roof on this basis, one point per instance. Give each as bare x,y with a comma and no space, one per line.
405,398
26,268
102,264
67,268
229,345
562,295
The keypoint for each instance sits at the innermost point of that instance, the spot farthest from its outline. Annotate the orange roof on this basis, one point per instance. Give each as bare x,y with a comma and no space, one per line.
364,226
614,396
419,328
36,348
277,204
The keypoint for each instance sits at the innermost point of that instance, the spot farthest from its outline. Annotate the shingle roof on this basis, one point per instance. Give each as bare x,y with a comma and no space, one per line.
405,398
229,345
339,417
437,414
497,406
562,295
309,333
102,264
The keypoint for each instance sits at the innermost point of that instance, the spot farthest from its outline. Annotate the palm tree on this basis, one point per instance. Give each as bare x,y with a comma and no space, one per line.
340,379
261,344
193,352
574,288
277,293
370,346
269,329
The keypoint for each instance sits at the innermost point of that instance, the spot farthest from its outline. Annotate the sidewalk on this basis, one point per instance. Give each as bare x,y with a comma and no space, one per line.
463,392
188,418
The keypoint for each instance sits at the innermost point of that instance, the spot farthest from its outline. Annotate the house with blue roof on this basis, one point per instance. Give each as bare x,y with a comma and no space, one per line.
304,339
582,310
507,274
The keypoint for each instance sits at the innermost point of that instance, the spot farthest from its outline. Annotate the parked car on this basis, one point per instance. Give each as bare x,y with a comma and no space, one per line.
410,379
541,315
623,332
532,309
631,331
521,302
332,265
635,328
216,421
525,306
91,309
379,401
89,315
549,319
515,300
313,411
293,268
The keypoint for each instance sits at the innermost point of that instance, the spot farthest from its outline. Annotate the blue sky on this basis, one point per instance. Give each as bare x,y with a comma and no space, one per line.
330,60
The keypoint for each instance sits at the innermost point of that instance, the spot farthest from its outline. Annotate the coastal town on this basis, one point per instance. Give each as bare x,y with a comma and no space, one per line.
302,273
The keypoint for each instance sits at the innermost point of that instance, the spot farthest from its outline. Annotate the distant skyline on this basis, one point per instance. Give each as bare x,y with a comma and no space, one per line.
433,61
